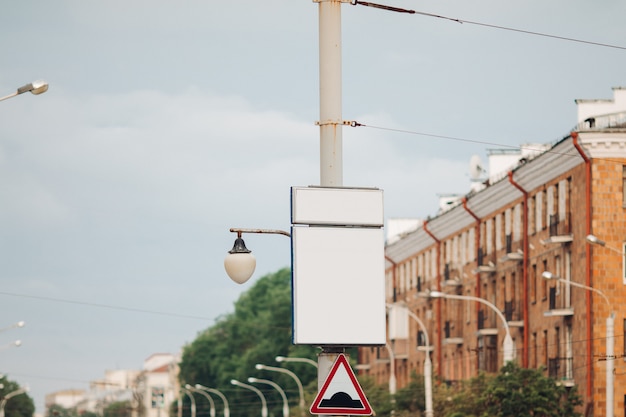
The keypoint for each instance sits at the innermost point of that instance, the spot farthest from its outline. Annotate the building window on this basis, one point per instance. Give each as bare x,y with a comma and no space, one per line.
624,263
624,185
544,282
539,211
533,283
624,336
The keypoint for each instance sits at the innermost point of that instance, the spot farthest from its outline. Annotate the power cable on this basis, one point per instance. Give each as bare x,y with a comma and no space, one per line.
527,32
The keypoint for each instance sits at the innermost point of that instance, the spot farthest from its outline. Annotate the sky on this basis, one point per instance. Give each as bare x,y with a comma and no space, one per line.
167,123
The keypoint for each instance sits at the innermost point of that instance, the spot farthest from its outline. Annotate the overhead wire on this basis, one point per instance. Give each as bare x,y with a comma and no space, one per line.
470,22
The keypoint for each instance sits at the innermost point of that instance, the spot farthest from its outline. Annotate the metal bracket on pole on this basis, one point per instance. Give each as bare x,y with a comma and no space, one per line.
326,1
335,122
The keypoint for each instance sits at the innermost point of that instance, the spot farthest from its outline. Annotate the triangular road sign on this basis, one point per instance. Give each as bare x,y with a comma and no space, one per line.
341,393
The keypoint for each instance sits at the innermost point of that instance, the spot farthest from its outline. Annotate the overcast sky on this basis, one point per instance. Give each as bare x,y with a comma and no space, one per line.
167,123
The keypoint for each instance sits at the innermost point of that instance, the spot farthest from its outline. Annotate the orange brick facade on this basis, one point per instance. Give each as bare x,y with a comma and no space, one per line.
495,244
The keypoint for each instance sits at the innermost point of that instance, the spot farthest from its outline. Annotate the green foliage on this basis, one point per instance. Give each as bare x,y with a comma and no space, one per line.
20,405
524,392
513,392
56,410
411,398
118,409
378,396
256,332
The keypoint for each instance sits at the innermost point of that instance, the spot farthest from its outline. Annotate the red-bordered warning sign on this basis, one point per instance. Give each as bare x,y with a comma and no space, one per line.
341,393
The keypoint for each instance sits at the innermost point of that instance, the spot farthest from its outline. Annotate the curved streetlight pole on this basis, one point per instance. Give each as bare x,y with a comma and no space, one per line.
278,388
36,87
428,365
207,396
255,389
193,402
292,359
13,326
16,343
10,395
260,366
507,345
219,394
610,337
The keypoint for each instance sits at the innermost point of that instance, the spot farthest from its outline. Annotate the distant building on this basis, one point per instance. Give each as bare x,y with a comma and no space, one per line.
66,398
149,391
532,215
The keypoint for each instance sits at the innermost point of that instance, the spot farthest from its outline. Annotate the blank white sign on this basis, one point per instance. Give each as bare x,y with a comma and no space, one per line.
337,206
338,286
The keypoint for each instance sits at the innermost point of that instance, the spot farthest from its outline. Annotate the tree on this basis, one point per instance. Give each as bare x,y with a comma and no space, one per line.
513,392
256,332
118,409
20,405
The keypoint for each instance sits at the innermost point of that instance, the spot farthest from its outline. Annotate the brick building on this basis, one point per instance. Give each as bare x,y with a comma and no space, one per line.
496,243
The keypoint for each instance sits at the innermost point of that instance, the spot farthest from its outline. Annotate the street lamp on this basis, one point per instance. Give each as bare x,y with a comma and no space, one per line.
610,340
507,344
219,394
262,367
392,371
428,365
17,343
255,389
240,263
180,403
10,395
292,359
278,388
206,395
36,87
13,326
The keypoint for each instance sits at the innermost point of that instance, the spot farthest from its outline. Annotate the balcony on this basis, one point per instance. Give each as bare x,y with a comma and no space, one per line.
561,369
557,305
560,230
486,327
511,253
606,121
513,313
449,339
484,266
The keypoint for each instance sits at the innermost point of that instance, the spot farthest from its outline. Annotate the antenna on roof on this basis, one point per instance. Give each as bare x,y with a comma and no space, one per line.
476,169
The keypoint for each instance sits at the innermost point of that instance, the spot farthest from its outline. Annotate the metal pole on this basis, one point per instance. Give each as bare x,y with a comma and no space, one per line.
331,166
278,388
257,391
219,394
291,374
610,358
193,401
207,396
610,340
428,365
507,345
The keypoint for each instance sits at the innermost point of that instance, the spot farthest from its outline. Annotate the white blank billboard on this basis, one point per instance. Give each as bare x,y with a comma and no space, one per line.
338,286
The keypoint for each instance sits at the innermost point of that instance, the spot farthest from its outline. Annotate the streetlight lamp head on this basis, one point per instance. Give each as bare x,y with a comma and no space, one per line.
18,343
548,275
36,87
234,382
595,240
436,294
188,386
239,263
259,366
279,358
252,380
